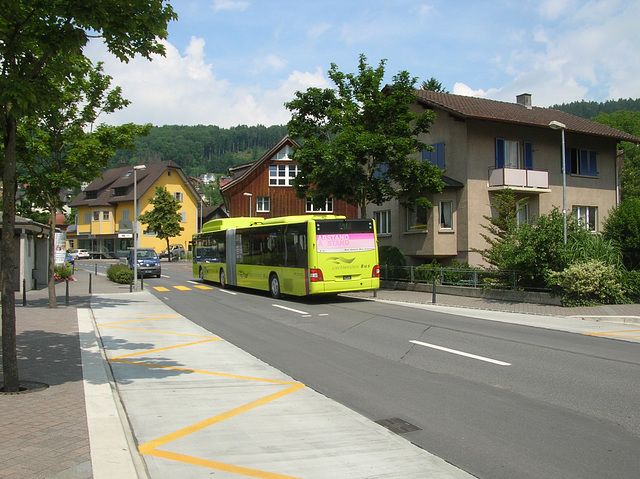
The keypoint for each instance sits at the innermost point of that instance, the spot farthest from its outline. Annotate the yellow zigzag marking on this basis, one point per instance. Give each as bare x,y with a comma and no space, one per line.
151,448
624,334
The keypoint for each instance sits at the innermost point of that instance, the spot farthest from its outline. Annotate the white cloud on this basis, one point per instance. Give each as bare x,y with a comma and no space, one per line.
180,89
270,62
230,5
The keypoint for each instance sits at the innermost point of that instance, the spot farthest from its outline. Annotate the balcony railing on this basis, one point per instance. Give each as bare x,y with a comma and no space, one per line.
515,178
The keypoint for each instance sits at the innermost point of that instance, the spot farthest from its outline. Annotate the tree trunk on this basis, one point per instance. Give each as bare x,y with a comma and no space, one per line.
363,210
7,257
51,283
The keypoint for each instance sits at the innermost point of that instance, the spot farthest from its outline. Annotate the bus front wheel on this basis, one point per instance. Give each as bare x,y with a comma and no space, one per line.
223,282
274,286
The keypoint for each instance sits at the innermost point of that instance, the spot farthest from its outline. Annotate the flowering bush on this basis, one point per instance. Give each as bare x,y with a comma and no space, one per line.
589,283
62,272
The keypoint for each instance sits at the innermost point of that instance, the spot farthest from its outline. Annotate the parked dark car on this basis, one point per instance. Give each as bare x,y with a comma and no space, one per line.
148,262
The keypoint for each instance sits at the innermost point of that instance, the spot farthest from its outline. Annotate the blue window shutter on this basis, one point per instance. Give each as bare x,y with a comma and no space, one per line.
528,155
426,155
499,153
440,155
567,160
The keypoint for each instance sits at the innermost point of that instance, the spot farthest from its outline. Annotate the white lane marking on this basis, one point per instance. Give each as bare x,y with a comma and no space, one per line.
461,353
194,282
227,291
323,314
289,309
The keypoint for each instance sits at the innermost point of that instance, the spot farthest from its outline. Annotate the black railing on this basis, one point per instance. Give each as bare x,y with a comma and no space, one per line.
472,278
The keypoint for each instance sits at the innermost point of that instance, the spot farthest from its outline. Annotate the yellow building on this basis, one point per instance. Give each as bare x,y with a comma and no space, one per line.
105,209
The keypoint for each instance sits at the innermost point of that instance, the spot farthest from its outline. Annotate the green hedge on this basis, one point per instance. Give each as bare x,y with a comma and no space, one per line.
120,273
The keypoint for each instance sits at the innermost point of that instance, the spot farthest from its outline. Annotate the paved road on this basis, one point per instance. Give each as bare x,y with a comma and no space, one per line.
532,402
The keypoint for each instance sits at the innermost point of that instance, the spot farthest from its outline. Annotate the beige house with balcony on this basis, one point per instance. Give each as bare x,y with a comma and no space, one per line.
484,146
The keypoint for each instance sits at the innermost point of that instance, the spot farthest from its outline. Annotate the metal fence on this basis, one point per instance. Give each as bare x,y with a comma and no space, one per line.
472,278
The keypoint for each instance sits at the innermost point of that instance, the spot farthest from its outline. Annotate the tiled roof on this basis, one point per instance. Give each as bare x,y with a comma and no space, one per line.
466,107
122,177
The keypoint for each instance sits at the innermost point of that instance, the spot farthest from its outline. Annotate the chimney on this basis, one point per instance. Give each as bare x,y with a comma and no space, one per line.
524,99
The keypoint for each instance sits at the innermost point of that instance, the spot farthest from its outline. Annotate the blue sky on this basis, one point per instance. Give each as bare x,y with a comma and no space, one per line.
232,62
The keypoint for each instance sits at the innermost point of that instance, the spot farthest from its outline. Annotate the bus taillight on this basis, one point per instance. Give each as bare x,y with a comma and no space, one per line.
315,275
376,271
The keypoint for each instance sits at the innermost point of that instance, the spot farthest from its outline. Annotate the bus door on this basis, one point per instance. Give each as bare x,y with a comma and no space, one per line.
232,277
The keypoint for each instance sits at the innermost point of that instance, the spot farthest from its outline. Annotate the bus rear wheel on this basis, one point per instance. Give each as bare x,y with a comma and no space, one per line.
274,286
223,281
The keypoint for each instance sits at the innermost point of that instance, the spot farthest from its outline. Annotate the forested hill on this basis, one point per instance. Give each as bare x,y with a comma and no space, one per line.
591,109
202,149
210,149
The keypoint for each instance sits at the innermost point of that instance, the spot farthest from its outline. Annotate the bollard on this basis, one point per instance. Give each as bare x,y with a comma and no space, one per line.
24,292
433,292
96,268
89,283
66,301
142,282
131,284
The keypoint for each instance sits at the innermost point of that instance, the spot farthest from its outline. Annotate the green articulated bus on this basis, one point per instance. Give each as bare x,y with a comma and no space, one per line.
294,255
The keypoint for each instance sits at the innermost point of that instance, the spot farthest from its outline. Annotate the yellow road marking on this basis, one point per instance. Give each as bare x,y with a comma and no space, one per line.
159,332
199,286
160,288
141,320
182,288
616,333
163,349
150,448
219,466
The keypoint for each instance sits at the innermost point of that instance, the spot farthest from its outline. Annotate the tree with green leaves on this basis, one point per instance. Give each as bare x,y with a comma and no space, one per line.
623,227
62,148
502,227
433,85
628,121
41,47
360,141
163,219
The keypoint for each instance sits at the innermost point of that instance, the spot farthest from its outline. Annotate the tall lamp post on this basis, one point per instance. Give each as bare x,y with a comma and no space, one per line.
250,209
135,224
556,125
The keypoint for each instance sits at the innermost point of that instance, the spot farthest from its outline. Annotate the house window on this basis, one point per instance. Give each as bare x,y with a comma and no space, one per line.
183,216
416,218
583,162
509,154
326,208
587,216
435,157
125,214
282,175
178,196
87,218
263,204
523,214
383,221
284,154
96,216
446,215
105,216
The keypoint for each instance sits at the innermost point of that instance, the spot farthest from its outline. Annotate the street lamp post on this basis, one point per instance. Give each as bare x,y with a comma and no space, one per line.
135,224
556,125
250,209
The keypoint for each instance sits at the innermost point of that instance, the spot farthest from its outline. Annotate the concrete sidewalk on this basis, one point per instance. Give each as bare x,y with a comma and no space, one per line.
194,404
